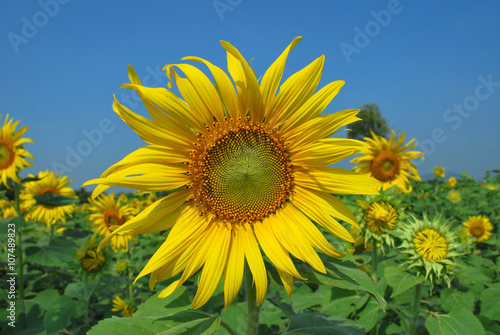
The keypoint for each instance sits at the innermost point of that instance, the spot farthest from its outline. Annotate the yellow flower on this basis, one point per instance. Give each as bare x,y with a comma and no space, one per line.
123,198
247,167
431,247
439,172
120,305
479,227
451,182
92,260
454,196
389,161
111,214
48,183
12,153
379,215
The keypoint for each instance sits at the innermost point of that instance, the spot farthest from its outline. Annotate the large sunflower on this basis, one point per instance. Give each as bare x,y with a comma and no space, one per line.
12,154
248,167
389,161
48,183
109,214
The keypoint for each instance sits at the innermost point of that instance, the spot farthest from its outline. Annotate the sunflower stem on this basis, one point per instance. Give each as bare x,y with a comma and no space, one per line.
415,309
374,260
19,247
253,309
85,296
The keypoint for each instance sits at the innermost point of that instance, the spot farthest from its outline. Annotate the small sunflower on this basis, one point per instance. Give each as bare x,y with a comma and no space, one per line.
389,161
48,183
379,215
91,259
108,215
12,153
454,196
439,172
479,227
452,181
120,305
247,166
431,247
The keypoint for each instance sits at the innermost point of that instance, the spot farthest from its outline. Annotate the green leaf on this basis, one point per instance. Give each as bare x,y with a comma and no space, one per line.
317,324
3,195
18,221
59,252
368,316
458,322
451,298
343,276
28,179
490,306
161,316
55,200
400,280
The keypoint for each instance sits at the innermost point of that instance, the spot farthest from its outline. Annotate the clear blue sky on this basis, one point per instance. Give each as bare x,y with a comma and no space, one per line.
60,65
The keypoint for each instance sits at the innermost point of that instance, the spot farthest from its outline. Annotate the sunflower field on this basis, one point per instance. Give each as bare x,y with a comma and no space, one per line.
238,222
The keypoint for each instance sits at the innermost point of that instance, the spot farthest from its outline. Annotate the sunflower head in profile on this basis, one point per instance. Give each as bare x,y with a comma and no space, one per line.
91,259
439,172
379,215
48,183
478,227
13,156
108,213
126,308
389,161
247,163
431,247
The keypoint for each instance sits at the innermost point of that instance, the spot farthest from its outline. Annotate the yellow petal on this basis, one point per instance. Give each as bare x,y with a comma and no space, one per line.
326,152
214,266
273,249
272,77
200,93
224,85
255,261
287,281
233,274
251,87
314,106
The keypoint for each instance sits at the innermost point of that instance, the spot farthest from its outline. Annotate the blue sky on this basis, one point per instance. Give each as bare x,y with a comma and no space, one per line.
433,68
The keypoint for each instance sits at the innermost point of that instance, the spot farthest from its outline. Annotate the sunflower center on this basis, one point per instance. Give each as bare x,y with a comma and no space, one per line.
478,230
6,156
48,189
112,218
242,175
381,216
385,166
431,245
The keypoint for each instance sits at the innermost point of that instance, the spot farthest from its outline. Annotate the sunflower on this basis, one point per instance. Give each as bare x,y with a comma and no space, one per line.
91,259
48,183
12,153
431,247
389,161
452,181
439,172
245,167
379,215
479,227
454,196
110,214
120,305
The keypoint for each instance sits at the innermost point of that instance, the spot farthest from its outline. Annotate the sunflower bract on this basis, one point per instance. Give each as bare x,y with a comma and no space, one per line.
249,165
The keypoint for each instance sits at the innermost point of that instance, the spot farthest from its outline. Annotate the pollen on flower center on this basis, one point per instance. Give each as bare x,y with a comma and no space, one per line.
112,217
241,172
385,166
